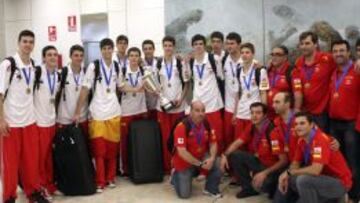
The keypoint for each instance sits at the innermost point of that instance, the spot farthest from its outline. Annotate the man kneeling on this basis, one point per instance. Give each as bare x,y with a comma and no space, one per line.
195,151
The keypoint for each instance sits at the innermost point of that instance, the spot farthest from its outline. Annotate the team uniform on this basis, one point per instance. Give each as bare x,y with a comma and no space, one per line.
69,97
104,126
313,82
45,90
171,88
21,145
134,108
344,113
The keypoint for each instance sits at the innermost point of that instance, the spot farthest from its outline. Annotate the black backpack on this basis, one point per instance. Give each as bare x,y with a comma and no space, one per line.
220,82
13,68
186,122
178,66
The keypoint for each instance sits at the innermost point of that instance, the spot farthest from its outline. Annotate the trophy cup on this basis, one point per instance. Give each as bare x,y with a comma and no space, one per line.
152,84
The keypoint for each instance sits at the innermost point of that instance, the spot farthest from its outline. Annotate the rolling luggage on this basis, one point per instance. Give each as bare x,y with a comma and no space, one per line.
73,169
145,152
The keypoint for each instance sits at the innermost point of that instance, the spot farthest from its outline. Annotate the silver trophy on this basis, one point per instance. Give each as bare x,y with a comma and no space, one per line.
152,83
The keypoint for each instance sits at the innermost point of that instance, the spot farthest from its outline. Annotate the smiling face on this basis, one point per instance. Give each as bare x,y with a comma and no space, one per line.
168,48
257,115
77,57
106,52
26,44
303,126
341,54
148,50
198,47
232,46
122,46
247,55
278,57
51,58
307,46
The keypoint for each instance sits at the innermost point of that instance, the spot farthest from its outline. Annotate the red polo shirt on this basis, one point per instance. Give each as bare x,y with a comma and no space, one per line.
260,148
278,83
333,161
345,101
279,144
190,142
315,89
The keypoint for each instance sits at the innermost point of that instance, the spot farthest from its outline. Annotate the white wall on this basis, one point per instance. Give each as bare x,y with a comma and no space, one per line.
139,19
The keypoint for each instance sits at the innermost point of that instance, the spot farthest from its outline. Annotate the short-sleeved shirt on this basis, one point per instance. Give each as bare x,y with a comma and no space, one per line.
190,142
231,82
320,152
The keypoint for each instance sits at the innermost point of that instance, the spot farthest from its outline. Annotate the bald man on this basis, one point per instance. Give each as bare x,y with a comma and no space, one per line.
195,149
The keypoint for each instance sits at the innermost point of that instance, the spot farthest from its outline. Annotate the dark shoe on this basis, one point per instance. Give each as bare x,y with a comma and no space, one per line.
246,193
37,197
10,200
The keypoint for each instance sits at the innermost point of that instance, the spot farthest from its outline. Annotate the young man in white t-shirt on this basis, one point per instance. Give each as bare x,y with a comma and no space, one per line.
231,65
122,43
217,45
47,83
18,129
149,64
70,86
133,102
173,88
103,78
253,84
206,71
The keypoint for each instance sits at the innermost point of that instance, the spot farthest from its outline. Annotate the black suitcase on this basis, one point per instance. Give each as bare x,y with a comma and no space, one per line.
73,169
145,152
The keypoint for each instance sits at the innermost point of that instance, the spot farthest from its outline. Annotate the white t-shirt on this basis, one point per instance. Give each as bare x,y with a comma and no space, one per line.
70,96
171,89
44,98
104,105
151,99
205,88
18,105
133,103
248,96
231,82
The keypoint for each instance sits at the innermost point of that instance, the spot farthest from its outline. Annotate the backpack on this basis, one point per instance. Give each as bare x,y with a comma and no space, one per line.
178,66
220,82
13,68
186,122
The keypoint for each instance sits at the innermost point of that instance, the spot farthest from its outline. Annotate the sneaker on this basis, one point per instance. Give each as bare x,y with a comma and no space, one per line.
215,195
99,189
46,194
246,193
111,184
37,197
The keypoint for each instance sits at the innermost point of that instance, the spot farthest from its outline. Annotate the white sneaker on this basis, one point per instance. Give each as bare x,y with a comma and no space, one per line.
99,190
214,195
111,184
46,194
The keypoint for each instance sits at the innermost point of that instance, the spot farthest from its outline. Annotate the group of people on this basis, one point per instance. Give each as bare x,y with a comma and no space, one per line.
291,131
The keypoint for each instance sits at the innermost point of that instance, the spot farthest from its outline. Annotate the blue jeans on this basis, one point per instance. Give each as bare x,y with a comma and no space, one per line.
182,180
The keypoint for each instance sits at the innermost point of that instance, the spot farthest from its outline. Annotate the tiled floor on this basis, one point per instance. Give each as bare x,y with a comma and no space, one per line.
127,192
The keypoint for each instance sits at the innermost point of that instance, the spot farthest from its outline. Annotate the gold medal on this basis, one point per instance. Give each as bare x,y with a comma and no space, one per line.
134,94
199,149
200,83
336,95
52,101
108,90
76,88
233,82
286,148
169,85
28,90
248,95
307,85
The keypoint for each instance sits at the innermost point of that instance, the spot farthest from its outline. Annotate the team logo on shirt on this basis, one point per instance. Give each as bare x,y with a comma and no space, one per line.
317,153
275,145
180,140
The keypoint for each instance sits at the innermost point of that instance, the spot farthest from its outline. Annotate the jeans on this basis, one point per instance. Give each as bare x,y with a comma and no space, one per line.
312,189
182,180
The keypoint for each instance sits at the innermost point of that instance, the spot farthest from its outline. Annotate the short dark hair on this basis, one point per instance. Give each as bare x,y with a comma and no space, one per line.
234,36
357,43
122,38
283,48
198,37
47,48
148,41
76,47
304,35
307,115
259,104
26,33
169,39
340,42
217,34
134,49
106,42
249,46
